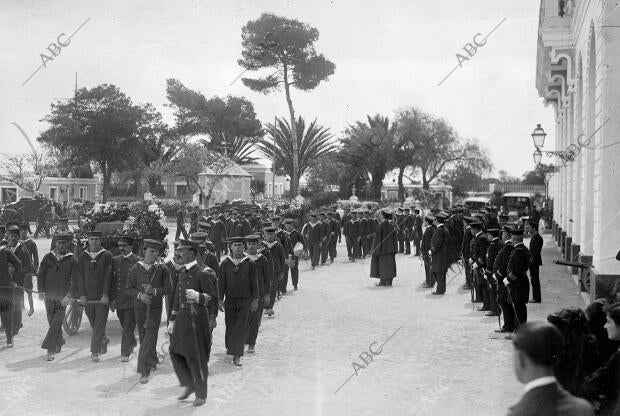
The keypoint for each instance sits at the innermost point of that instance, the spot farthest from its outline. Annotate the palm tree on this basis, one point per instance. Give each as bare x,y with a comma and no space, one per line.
312,143
238,148
368,150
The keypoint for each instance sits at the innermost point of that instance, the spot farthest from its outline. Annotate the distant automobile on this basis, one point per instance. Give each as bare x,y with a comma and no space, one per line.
476,202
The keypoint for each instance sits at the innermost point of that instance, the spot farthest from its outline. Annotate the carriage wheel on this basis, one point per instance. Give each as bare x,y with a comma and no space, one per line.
8,215
73,318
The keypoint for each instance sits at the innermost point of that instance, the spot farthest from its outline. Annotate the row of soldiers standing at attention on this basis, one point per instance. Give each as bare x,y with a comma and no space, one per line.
495,259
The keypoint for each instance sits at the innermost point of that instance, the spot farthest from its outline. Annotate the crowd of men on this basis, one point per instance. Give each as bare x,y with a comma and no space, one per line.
239,263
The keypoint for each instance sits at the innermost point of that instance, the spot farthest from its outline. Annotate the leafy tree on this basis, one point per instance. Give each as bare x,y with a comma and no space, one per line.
307,144
230,123
27,170
407,143
286,46
102,126
368,150
441,149
537,176
505,178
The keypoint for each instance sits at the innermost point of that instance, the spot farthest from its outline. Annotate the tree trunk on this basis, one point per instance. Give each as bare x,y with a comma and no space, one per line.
294,176
375,185
401,187
107,176
137,178
425,184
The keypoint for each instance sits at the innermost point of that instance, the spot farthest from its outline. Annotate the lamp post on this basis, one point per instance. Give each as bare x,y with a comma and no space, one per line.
538,136
537,155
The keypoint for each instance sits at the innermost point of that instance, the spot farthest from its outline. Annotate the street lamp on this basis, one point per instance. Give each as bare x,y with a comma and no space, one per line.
538,136
537,155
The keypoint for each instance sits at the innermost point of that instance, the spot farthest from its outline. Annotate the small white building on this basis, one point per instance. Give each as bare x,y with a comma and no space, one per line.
279,184
233,183
57,189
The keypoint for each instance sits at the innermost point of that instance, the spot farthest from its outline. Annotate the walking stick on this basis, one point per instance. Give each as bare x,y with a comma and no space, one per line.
513,305
191,314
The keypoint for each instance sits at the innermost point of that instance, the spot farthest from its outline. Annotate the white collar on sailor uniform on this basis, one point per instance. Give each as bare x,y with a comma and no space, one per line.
190,264
539,382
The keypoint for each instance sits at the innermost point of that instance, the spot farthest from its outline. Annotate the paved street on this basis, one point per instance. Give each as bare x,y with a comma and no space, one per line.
433,364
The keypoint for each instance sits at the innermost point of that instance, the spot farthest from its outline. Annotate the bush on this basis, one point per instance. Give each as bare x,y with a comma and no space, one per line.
323,198
169,206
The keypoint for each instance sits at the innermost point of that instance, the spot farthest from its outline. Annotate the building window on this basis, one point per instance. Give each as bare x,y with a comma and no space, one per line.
8,195
53,193
270,190
181,189
83,193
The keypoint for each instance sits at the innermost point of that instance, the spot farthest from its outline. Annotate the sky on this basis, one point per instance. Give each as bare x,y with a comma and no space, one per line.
389,55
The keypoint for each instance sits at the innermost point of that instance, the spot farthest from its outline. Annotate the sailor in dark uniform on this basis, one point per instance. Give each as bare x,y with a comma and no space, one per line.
238,295
478,256
264,275
294,237
439,254
495,245
8,260
500,272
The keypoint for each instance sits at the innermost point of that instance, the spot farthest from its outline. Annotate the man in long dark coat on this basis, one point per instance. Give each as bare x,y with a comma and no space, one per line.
536,244
417,231
181,223
122,302
94,280
57,271
439,254
239,293
466,252
500,272
190,335
479,247
264,275
495,246
8,285
427,237
517,281
346,231
383,260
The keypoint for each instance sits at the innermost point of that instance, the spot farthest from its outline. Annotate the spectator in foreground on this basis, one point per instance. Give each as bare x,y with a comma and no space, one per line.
537,346
603,387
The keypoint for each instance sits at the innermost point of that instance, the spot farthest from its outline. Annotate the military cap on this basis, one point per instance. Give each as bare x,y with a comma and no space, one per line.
266,224
198,236
313,215
221,217
493,231
233,211
127,239
429,218
12,227
237,239
270,229
94,234
468,219
148,242
252,238
24,226
504,216
248,214
289,221
507,229
387,214
533,224
276,218
64,219
180,244
517,231
63,236
475,224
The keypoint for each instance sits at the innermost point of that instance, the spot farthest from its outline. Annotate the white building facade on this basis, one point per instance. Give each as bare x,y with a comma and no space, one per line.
578,73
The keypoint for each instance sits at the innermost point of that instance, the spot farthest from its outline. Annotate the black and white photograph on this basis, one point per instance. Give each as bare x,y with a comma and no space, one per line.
312,207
